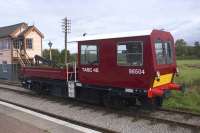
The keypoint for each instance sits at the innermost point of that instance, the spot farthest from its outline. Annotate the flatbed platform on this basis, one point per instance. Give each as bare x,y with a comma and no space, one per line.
46,72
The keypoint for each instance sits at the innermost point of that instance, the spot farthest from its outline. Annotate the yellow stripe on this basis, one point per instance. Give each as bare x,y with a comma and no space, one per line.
164,79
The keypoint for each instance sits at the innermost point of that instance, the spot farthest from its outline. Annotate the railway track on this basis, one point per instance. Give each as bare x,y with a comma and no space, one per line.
18,84
96,128
7,82
173,121
179,111
86,125
184,119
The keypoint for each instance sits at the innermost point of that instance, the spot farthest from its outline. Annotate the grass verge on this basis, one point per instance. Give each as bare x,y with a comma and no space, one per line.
190,76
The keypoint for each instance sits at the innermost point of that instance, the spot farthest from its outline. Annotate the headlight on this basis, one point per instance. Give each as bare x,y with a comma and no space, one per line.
177,71
157,75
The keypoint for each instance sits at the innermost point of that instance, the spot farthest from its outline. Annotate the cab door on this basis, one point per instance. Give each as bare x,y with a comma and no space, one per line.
130,63
89,62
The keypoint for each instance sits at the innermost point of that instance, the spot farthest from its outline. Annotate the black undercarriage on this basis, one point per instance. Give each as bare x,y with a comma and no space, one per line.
110,97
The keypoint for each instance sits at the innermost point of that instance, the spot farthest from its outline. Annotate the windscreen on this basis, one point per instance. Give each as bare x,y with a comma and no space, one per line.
164,52
130,53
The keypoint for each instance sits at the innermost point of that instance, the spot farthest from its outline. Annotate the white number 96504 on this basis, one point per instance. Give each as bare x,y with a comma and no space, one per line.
136,71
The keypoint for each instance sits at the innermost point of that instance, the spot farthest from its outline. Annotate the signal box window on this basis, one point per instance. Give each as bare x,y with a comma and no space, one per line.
164,54
130,53
89,54
29,43
17,44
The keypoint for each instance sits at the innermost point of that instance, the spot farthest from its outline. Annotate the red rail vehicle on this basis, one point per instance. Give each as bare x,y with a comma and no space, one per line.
116,69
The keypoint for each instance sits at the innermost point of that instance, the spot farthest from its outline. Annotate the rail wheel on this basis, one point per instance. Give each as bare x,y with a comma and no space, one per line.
159,101
132,102
151,103
41,89
115,102
37,87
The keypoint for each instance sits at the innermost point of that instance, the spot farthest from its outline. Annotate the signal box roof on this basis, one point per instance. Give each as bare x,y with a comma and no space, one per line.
111,36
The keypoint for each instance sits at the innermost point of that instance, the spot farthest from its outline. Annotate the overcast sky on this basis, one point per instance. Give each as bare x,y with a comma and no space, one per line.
181,17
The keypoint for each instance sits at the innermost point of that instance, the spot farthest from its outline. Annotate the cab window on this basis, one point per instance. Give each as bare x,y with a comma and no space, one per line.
89,54
130,53
164,53
169,53
160,53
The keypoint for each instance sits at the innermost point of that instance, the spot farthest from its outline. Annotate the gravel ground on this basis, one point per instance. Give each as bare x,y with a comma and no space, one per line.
104,119
22,122
16,126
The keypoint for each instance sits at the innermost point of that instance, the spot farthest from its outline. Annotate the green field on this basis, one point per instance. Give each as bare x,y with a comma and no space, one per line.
190,76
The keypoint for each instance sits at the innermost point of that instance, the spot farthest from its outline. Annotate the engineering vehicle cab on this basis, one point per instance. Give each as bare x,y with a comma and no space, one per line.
117,69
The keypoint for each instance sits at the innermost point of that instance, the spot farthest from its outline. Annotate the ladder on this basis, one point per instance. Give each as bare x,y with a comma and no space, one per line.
71,71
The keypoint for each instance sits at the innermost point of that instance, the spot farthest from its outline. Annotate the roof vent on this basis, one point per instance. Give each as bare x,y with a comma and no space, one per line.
84,34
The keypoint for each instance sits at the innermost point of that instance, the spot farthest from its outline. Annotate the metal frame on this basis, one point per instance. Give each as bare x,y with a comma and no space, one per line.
142,43
171,47
91,50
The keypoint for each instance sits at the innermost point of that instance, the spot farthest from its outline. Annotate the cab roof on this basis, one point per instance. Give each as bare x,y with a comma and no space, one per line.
110,36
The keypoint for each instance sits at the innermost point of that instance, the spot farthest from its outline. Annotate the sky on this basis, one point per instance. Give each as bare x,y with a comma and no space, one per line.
180,17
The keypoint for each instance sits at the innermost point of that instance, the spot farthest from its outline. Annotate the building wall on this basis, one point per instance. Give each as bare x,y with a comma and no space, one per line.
9,75
37,43
11,72
5,56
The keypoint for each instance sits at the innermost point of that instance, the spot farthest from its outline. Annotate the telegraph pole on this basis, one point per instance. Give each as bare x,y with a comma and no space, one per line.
66,26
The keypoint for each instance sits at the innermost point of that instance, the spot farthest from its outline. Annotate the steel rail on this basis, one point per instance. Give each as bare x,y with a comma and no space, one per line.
178,111
13,83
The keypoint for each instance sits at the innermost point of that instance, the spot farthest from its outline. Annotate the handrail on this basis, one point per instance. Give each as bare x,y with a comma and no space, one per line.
74,67
27,57
67,71
75,71
20,58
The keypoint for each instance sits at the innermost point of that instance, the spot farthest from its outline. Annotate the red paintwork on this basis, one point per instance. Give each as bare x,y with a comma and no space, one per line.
113,75
159,91
49,73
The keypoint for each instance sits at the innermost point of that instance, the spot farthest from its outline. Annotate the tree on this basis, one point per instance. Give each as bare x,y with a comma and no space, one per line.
45,53
73,57
59,56
62,56
197,49
55,55
197,44
190,51
181,48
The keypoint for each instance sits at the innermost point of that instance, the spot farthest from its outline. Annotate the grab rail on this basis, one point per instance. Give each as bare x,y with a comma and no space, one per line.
74,67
